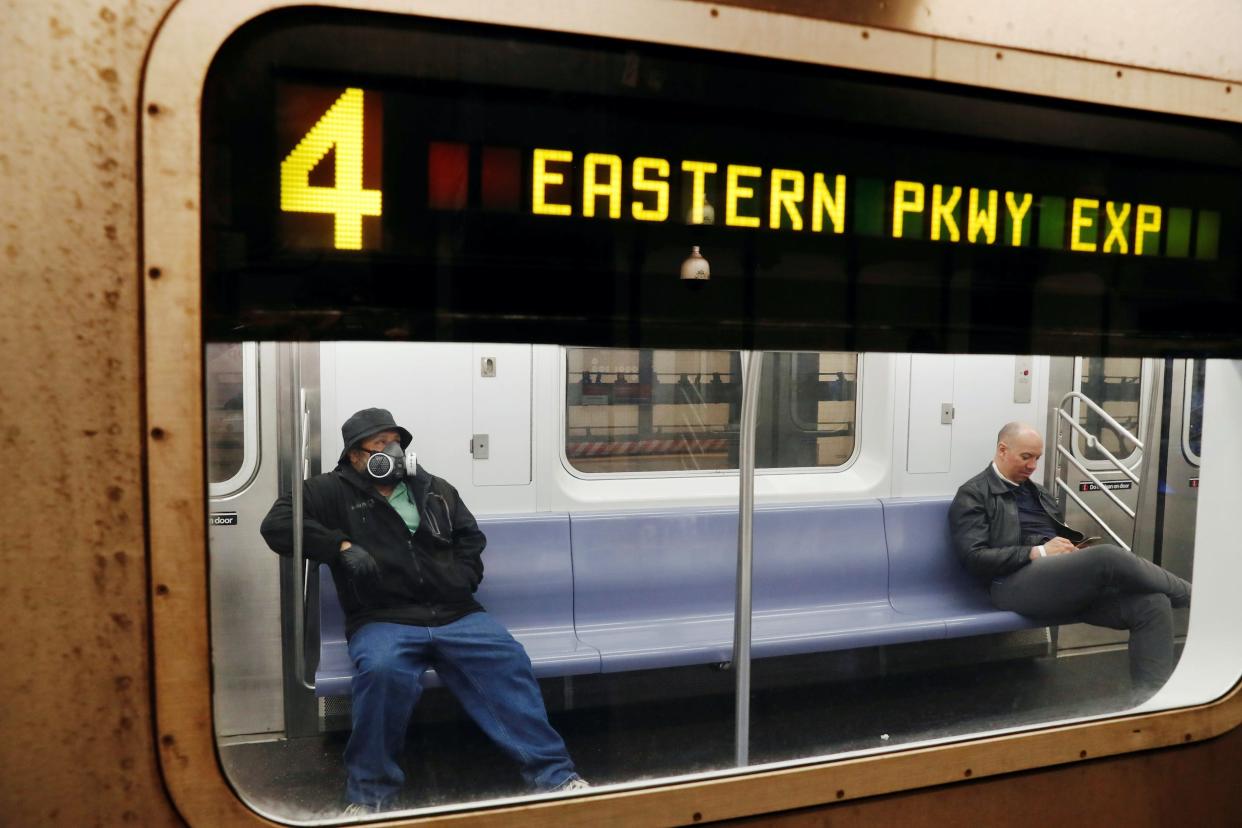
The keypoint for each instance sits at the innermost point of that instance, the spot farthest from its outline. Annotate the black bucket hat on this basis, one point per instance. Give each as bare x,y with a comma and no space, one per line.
368,421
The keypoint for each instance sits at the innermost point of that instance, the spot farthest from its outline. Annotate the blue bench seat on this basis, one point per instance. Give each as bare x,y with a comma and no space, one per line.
927,581
527,586
656,588
620,591
679,642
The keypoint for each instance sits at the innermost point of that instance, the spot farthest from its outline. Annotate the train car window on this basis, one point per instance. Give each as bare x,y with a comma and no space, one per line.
1115,385
628,218
625,613
232,415
1192,418
641,410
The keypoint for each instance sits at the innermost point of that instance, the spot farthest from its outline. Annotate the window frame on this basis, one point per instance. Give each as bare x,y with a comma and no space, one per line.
1192,457
792,391
169,179
251,447
578,473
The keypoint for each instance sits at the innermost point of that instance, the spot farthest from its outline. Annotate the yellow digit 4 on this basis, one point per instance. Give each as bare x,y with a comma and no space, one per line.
340,127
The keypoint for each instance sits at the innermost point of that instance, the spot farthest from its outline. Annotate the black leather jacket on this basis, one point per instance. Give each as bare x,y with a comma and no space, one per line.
987,535
427,578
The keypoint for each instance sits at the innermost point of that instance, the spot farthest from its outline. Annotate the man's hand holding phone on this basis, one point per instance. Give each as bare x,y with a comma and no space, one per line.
1055,546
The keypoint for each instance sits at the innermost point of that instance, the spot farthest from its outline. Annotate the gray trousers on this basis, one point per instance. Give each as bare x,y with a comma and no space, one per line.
1109,587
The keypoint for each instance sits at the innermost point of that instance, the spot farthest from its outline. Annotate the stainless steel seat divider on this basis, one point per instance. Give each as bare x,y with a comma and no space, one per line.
1093,515
1078,465
1065,451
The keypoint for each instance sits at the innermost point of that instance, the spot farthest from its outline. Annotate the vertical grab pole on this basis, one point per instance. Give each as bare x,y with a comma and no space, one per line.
299,474
1146,504
751,364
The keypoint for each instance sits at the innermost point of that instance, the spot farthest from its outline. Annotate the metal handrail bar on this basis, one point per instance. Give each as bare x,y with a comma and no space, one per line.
752,362
1108,418
302,397
1070,457
305,469
1093,442
1093,515
295,485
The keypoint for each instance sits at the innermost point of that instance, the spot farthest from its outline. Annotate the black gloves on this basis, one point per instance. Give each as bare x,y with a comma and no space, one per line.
359,564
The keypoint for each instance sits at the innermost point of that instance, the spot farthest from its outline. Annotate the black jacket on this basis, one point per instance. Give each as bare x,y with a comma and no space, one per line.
987,535
427,578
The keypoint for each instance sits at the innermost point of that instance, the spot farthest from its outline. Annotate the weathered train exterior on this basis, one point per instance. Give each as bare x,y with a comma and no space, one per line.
94,738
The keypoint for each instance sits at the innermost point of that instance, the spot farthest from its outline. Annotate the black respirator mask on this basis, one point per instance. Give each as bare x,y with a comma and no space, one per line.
391,464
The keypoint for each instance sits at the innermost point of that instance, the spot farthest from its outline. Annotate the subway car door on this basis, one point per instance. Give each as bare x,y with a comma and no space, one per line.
243,481
1179,477
1158,402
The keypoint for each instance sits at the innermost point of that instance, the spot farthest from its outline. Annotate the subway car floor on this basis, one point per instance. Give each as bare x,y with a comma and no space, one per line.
629,727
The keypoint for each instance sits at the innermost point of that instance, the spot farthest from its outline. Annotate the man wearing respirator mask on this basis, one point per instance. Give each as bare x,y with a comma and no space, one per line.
405,554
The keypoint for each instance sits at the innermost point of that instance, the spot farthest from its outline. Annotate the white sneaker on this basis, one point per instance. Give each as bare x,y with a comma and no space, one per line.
573,783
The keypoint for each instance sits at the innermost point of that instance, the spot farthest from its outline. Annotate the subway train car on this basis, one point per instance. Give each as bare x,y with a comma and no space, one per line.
706,310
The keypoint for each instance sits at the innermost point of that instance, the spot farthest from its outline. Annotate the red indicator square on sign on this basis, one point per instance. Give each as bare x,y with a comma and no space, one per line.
448,175
502,178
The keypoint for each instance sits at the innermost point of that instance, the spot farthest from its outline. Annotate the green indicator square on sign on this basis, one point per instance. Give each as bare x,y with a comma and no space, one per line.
869,207
1052,222
1177,240
1207,239
912,226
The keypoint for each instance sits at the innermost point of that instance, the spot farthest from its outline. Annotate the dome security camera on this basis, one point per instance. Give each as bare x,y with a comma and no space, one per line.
695,267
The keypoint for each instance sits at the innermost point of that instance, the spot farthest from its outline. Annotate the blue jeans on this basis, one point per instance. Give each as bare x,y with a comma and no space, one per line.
481,664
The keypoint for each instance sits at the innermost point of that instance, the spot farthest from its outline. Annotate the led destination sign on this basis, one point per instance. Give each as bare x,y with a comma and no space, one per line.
376,177
562,182
815,201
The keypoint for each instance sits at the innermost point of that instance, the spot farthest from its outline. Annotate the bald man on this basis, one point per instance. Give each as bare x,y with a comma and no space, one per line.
1007,531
